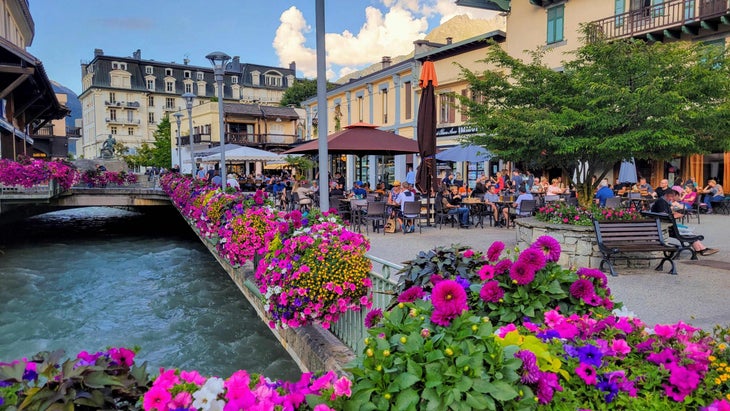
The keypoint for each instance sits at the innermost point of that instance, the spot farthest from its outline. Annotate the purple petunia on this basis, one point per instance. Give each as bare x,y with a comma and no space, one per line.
412,294
494,251
491,292
522,273
549,246
589,354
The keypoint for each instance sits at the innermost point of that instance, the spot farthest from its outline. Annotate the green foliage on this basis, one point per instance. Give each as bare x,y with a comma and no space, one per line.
300,163
410,364
614,100
53,385
301,90
158,154
562,213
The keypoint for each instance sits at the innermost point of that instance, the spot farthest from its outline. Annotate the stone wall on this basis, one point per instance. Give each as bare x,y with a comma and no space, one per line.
578,243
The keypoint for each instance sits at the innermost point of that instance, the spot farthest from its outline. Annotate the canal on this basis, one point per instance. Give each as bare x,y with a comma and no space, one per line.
86,279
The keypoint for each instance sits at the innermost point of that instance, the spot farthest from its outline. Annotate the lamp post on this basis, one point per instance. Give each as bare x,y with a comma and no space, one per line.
218,59
179,142
189,105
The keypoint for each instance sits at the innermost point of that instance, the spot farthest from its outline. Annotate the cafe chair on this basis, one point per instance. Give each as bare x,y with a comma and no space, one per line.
375,215
412,213
613,202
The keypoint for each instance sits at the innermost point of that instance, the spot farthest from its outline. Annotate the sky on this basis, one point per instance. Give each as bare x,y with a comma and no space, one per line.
269,32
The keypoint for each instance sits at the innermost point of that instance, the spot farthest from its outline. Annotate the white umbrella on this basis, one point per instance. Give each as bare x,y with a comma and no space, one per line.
627,172
244,154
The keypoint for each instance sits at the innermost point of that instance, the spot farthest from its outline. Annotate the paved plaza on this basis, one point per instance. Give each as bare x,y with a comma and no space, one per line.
699,295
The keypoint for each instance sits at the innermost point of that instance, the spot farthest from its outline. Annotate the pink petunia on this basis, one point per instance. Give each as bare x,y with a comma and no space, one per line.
343,387
587,373
157,398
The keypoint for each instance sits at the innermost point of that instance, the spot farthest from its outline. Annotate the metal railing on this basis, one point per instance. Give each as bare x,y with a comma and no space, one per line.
666,15
350,328
252,138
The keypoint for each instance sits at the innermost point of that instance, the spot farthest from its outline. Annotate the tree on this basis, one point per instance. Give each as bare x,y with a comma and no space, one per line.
613,101
158,154
301,90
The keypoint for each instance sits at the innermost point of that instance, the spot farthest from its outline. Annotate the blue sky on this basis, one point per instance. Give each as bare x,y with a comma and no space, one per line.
272,32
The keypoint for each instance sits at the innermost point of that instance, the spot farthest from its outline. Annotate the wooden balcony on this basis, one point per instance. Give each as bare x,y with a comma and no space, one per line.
260,140
667,20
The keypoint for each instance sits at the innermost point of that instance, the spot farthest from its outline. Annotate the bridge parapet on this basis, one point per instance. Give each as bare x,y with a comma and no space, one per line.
31,194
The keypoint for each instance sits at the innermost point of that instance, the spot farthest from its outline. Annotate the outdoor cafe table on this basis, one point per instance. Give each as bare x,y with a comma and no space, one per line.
638,203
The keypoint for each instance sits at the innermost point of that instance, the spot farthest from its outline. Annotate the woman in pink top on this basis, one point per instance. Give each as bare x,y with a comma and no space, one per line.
554,188
689,196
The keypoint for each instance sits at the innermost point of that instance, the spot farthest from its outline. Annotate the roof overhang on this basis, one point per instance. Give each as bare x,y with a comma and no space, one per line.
497,5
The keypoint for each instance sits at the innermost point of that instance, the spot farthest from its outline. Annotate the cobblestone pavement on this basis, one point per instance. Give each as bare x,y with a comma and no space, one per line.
699,295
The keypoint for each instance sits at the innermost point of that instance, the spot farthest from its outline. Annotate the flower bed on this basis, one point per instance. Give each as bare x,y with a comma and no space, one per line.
32,172
95,178
561,213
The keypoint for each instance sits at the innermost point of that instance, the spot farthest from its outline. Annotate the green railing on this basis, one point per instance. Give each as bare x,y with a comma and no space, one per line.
350,328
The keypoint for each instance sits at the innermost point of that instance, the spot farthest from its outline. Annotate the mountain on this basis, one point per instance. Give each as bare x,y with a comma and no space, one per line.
73,103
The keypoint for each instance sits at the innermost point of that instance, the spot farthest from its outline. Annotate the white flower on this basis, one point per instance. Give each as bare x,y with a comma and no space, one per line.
623,312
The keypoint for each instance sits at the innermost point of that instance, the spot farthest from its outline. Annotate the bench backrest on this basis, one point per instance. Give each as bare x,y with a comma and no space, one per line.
609,233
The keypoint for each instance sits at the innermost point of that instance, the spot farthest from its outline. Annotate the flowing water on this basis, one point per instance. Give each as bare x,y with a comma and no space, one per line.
87,279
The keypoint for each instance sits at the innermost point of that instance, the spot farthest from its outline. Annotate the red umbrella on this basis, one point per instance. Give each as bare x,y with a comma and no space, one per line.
361,139
426,129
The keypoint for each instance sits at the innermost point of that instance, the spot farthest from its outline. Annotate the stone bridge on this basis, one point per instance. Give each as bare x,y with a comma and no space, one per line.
17,203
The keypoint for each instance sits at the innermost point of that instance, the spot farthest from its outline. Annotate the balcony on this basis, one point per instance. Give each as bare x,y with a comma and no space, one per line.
122,104
260,140
123,122
197,139
669,20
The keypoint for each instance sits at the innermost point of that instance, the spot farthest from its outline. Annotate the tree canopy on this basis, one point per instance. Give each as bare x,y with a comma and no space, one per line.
301,90
159,153
614,100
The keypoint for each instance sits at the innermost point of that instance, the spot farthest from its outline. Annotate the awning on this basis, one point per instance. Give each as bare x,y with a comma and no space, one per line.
244,154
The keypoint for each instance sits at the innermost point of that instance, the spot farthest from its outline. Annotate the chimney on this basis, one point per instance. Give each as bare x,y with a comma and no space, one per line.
293,67
236,61
386,61
98,52
186,61
137,55
449,40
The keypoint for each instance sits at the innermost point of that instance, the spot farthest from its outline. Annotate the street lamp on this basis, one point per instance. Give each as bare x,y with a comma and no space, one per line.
218,59
189,105
179,142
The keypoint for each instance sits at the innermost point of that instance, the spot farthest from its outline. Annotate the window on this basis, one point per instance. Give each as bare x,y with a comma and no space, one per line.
112,97
409,99
151,101
170,86
555,23
130,131
620,8
384,94
271,79
234,79
168,72
130,116
115,66
150,84
151,118
186,74
114,130
448,109
188,88
170,103
360,108
113,114
199,75
118,66
149,70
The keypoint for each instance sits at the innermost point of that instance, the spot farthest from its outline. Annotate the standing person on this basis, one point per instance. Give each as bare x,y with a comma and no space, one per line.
451,203
664,205
517,179
211,173
216,179
713,193
201,173
530,180
458,180
411,176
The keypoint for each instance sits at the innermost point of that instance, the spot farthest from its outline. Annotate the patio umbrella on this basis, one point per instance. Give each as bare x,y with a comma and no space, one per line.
469,153
426,130
360,139
627,172
244,154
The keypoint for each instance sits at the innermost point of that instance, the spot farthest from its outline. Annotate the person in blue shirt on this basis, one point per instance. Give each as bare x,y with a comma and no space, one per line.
604,192
411,177
358,191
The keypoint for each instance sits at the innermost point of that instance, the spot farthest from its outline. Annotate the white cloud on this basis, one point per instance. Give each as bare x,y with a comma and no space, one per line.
390,32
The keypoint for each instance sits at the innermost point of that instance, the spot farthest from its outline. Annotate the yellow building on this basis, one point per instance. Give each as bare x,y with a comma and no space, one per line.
389,99
554,25
266,127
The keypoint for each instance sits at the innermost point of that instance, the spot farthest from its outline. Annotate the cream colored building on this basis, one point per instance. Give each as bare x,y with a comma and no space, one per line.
265,127
126,97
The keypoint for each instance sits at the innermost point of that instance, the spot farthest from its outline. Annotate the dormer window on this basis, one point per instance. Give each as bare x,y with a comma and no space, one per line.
273,79
168,72
116,65
186,74
149,69
234,79
199,75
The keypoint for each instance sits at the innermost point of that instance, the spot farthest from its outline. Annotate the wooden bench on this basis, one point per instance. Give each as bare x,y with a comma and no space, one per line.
618,238
685,241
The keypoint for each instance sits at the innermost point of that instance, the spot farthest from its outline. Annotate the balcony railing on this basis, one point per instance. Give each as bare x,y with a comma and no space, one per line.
123,122
689,15
44,131
73,131
260,139
122,104
197,139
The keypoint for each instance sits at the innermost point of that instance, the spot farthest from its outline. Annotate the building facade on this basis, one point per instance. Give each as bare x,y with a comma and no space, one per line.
389,98
126,97
554,25
27,100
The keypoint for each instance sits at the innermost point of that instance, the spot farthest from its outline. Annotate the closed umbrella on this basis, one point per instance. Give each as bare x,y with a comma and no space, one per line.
426,129
627,172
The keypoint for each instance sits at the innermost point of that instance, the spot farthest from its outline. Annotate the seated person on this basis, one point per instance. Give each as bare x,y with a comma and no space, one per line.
524,195
452,205
405,196
689,195
478,191
232,181
642,185
664,205
304,192
713,194
358,191
491,199
663,187
604,192
554,188
336,189
393,194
